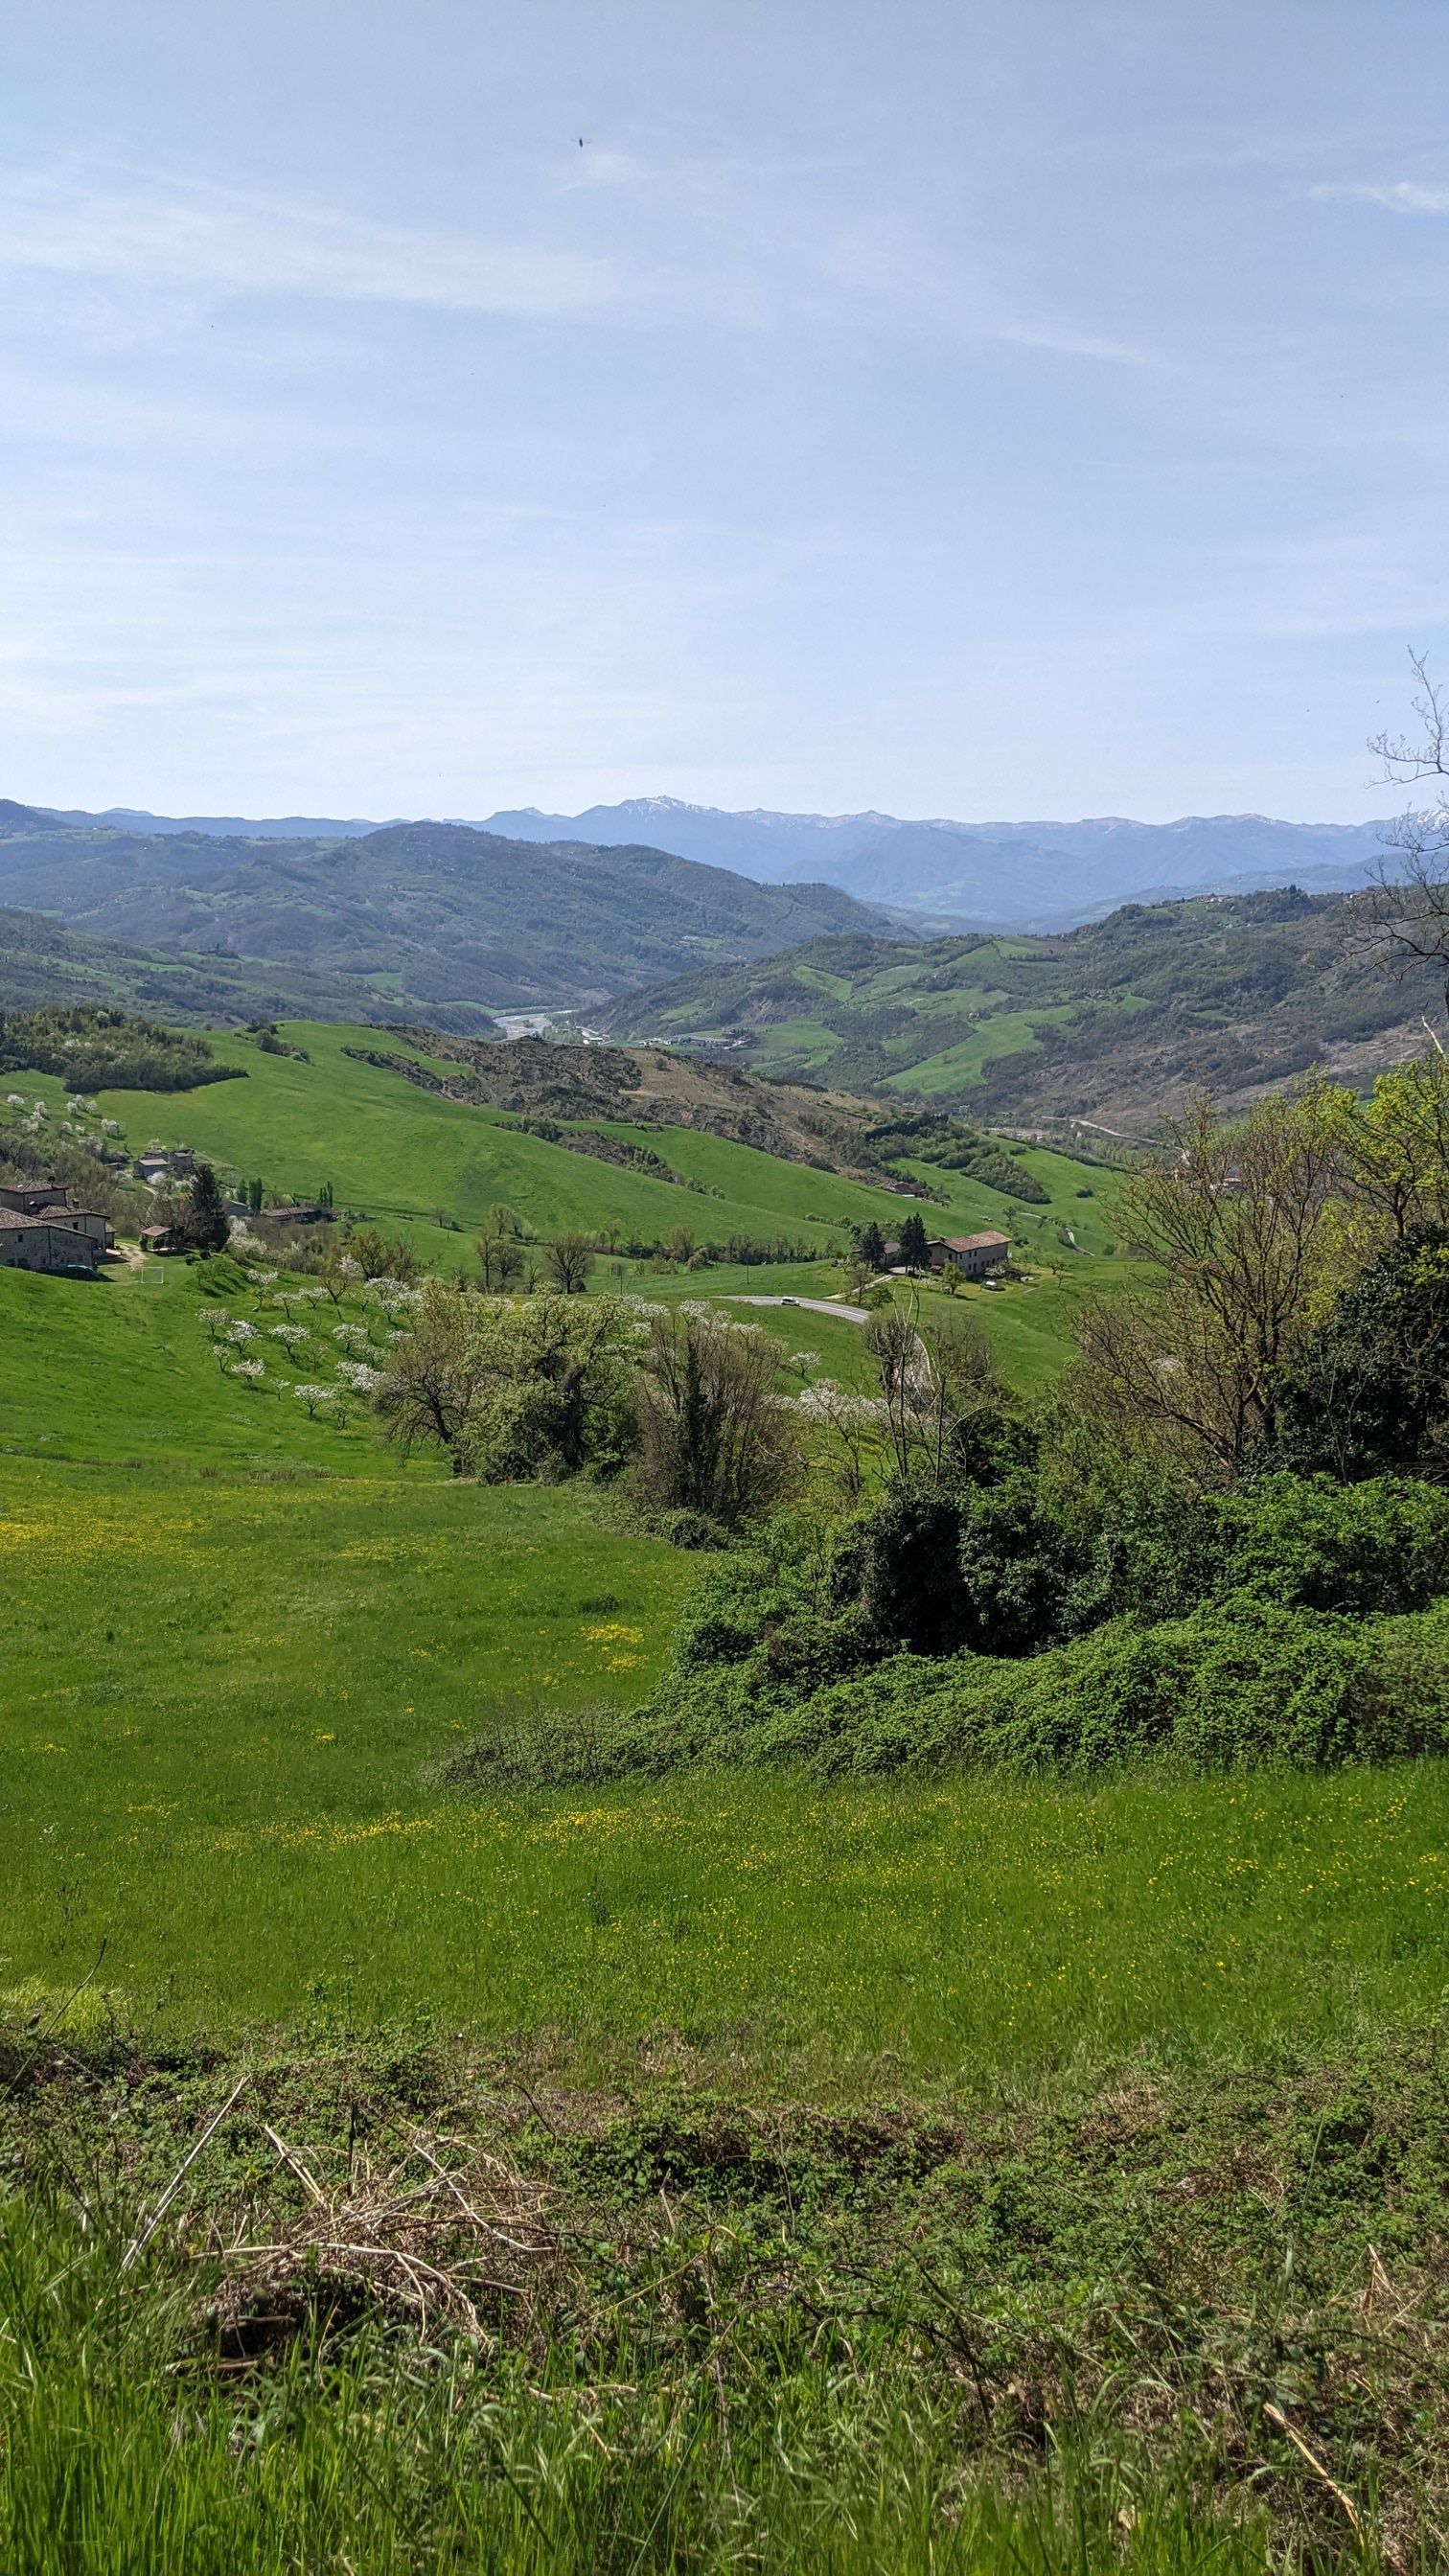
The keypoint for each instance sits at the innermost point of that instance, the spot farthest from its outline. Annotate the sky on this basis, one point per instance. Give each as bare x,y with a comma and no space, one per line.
424,406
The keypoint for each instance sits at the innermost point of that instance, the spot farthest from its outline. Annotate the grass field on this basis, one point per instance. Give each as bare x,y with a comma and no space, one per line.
940,2176
226,1687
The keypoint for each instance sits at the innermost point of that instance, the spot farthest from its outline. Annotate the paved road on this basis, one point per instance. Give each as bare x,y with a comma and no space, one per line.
811,1306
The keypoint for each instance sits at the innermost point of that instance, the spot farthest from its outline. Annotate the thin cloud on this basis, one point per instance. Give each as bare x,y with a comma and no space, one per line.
223,241
750,256
1402,196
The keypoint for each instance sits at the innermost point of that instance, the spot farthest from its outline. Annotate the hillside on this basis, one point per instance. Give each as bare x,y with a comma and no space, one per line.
1109,1023
429,915
835,1131
658,1159
1024,876
42,962
408,1136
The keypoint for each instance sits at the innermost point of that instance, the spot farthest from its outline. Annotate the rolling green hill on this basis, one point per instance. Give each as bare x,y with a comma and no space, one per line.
1108,1024
394,1149
419,1161
43,962
433,917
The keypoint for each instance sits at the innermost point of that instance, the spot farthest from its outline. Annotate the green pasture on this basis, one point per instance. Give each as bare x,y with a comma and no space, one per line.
121,1367
399,1152
223,1708
955,1068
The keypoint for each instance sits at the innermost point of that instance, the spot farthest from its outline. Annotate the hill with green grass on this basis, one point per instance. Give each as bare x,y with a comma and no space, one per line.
430,917
41,962
402,1150
1108,1024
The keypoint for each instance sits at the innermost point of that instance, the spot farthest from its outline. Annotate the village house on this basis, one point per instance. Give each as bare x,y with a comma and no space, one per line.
299,1212
41,1230
976,1256
157,1166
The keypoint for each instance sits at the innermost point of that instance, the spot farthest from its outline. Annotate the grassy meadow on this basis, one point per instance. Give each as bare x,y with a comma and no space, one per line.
238,1644
949,2174
403,1154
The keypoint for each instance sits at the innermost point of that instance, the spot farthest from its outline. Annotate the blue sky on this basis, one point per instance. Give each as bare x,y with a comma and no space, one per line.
979,410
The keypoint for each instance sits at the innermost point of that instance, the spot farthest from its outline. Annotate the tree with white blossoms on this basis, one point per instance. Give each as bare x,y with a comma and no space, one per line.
341,1275
356,1375
853,1427
351,1337
292,1335
312,1396
804,1361
251,1370
215,1318
241,1332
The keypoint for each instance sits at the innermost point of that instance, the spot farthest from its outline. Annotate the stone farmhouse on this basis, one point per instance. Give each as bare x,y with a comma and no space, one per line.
159,1165
976,1256
41,1230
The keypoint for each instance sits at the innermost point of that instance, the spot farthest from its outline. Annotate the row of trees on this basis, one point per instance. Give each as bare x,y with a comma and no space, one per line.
510,1257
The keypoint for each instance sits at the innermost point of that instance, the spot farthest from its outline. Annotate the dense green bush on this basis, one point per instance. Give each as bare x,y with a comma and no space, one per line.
1238,1683
1369,1396
1289,1622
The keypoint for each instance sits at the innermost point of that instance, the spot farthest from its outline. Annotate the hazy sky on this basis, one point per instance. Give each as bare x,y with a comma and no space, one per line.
1026,409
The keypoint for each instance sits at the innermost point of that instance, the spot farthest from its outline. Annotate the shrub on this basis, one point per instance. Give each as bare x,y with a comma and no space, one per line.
1369,1394
714,1438
1237,1684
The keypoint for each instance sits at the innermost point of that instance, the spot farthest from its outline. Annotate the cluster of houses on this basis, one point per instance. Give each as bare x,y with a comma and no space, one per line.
41,1229
158,1166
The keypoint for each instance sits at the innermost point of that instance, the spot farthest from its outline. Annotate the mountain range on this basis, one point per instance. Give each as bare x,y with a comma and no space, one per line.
1039,876
435,919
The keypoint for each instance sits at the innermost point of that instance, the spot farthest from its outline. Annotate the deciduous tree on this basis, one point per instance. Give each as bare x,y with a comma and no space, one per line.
714,1436
569,1257
1244,1228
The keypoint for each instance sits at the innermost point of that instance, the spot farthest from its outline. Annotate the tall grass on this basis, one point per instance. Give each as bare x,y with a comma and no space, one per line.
123,2445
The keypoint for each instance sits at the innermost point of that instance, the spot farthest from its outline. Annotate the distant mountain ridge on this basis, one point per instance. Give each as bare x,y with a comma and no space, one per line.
1038,876
433,918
